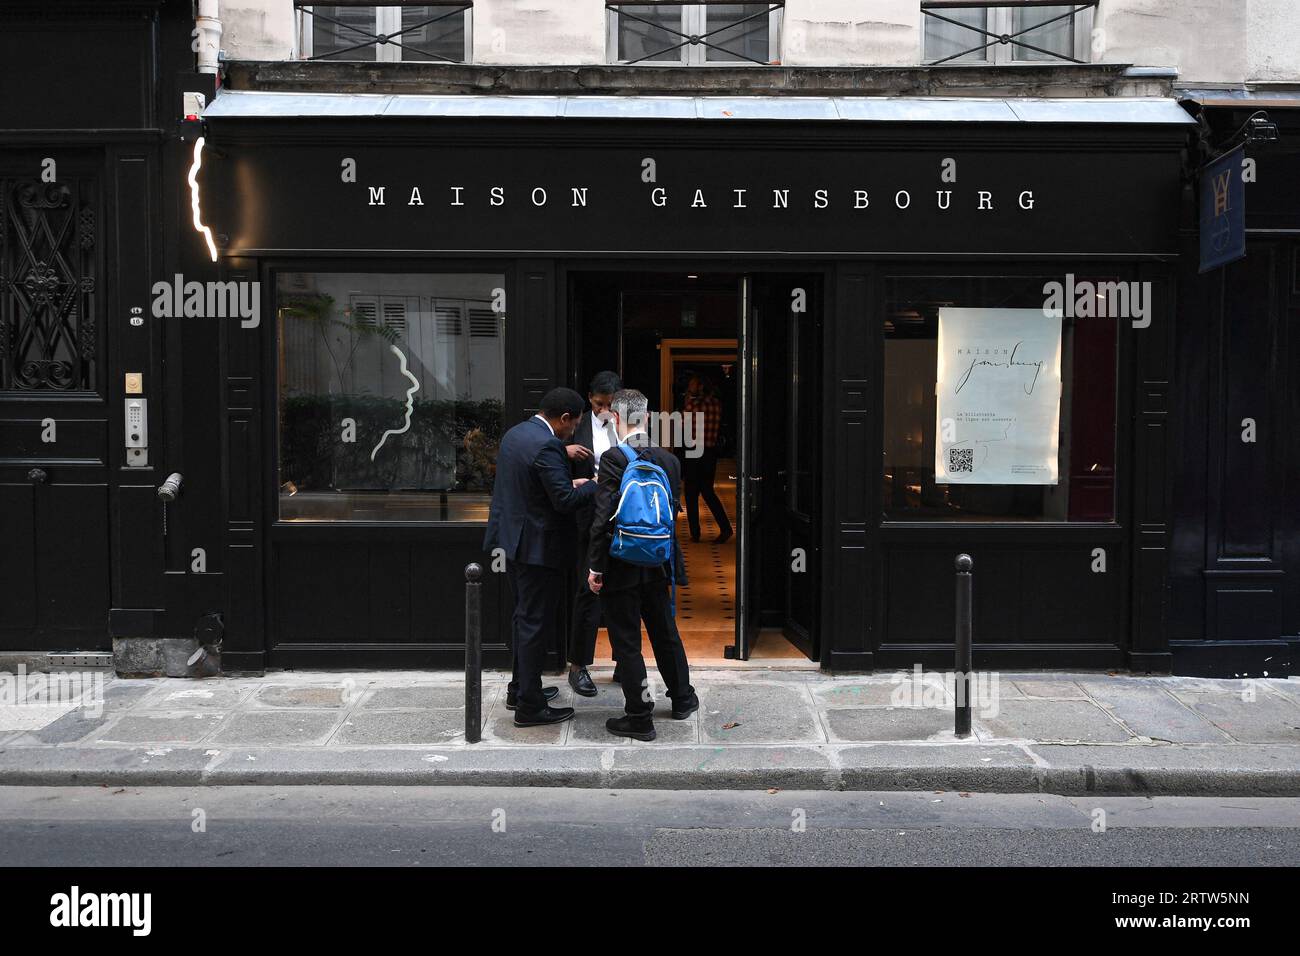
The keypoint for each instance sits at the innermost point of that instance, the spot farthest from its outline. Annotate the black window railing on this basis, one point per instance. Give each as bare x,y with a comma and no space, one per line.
362,30
1017,40
720,38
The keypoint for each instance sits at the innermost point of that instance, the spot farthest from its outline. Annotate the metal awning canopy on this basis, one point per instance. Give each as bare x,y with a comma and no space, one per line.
239,104
1245,99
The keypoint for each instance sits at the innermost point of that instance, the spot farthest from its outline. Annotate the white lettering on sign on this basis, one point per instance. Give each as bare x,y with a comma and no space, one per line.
784,198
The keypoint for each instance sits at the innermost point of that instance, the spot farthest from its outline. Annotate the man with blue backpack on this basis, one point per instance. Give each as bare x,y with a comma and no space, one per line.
635,566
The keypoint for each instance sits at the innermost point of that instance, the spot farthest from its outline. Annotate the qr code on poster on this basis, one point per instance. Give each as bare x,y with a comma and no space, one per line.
961,460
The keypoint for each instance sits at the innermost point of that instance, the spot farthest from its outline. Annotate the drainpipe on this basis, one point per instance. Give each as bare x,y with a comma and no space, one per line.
207,25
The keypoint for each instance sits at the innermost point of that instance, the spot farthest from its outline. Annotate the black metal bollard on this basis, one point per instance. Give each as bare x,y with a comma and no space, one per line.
473,653
965,625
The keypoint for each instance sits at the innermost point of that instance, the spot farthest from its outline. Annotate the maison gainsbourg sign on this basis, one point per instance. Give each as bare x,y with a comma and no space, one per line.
681,200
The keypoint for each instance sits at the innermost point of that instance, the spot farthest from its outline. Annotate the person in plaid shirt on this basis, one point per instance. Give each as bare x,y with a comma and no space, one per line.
698,473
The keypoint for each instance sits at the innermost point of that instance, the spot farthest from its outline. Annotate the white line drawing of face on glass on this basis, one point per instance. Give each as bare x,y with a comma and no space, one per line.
410,401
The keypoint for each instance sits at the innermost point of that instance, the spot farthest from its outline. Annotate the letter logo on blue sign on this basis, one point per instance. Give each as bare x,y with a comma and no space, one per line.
1223,211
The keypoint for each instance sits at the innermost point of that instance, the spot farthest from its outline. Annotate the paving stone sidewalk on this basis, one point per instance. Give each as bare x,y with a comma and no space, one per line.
1065,733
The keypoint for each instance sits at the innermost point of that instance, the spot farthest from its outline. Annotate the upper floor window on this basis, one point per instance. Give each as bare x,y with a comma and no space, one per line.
695,33
965,31
437,32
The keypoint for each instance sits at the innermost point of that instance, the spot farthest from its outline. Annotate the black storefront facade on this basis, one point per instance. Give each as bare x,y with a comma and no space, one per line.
317,525
847,225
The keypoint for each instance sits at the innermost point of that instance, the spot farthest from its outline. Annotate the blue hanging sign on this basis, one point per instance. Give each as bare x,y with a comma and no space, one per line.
1223,211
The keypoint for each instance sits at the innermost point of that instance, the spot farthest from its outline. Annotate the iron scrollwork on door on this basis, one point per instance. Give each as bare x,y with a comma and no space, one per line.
48,339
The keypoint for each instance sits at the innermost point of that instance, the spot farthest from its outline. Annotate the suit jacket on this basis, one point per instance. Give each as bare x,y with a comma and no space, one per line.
620,574
587,467
533,499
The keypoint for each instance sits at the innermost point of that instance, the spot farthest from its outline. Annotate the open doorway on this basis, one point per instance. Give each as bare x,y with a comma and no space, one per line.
679,337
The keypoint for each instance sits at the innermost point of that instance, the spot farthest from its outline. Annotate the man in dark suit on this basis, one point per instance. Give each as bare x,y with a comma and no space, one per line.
631,593
531,521
594,437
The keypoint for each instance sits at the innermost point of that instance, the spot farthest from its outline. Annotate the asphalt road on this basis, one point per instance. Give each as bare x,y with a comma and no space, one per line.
479,826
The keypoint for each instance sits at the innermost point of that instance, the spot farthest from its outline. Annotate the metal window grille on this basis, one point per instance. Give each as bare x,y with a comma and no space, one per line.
48,298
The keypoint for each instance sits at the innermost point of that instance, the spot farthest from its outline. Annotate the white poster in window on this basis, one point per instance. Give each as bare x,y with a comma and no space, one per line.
998,397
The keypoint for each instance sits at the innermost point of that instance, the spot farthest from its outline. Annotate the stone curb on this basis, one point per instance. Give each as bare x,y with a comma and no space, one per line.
989,769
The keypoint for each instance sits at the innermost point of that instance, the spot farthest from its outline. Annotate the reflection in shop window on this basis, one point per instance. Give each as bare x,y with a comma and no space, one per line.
1013,451
391,391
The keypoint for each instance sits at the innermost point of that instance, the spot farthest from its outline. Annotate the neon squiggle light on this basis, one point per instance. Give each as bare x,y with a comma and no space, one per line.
410,402
194,197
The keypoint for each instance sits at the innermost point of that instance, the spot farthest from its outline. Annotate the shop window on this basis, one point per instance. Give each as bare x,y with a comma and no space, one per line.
959,31
437,32
391,390
694,33
997,406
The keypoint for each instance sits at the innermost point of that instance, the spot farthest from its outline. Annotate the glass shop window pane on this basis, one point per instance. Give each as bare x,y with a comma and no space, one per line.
944,39
336,30
439,41
743,32
391,391
655,41
1007,450
1056,36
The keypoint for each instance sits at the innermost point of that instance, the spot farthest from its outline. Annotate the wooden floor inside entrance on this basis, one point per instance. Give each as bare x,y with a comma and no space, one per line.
706,608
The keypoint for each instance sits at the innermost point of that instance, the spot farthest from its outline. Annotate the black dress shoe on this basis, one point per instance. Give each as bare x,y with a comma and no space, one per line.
581,683
723,536
687,707
548,715
548,693
638,728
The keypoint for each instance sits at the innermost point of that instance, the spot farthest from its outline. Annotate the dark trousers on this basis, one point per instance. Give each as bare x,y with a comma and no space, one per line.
624,611
586,624
539,596
585,620
698,475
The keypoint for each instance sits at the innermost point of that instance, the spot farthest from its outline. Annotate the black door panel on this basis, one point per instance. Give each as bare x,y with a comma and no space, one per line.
54,409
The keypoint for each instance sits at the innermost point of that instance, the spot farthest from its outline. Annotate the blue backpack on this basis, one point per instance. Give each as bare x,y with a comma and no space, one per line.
645,519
